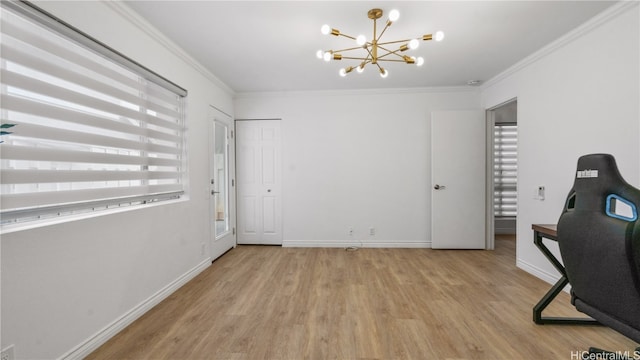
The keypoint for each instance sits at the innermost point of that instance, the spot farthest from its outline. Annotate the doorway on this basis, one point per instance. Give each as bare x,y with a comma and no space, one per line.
221,184
502,191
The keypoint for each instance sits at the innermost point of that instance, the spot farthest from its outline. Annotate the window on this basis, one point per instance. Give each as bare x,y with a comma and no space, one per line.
221,178
505,169
89,128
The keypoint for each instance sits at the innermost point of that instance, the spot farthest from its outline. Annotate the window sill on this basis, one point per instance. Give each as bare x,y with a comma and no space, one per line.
29,225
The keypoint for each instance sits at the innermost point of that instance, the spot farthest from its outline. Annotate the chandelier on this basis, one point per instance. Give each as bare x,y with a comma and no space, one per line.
375,50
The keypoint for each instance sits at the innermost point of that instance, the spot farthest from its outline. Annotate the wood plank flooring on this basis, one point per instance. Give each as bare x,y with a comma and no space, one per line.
260,302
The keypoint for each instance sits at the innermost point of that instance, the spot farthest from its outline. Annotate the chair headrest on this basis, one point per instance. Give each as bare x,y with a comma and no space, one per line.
598,186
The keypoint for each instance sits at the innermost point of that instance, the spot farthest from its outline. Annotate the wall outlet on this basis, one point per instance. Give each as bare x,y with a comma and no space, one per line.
8,353
372,231
350,231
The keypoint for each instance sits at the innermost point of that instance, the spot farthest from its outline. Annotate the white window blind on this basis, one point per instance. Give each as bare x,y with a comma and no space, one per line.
505,170
91,129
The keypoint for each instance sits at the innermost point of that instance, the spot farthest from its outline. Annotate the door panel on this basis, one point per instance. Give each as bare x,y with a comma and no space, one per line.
259,182
458,179
270,226
248,218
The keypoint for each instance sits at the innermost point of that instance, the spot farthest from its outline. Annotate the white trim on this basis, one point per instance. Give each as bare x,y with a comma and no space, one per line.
490,230
605,16
54,220
138,21
357,243
95,341
551,278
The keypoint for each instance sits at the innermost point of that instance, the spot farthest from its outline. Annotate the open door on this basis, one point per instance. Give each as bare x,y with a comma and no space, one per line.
221,184
458,188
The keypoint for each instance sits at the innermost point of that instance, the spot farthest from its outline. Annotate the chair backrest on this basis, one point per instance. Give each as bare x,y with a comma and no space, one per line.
599,237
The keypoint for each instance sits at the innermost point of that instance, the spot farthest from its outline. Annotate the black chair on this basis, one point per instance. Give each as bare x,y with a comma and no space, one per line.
599,240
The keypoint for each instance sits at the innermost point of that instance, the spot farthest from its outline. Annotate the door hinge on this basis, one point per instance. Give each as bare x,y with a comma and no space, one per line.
233,231
233,182
232,134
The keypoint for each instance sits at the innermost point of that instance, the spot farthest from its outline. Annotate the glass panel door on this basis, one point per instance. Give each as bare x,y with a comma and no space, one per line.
221,178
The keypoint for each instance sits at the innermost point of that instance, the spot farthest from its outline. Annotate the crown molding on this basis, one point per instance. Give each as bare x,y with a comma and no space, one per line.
138,21
379,91
593,23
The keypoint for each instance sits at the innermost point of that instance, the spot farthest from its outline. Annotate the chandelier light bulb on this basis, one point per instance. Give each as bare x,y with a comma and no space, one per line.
394,15
419,61
413,44
327,56
383,73
439,36
361,40
325,29
320,54
360,68
342,72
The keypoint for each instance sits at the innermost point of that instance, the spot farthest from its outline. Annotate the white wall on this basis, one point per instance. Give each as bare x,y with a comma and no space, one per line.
62,284
581,98
358,159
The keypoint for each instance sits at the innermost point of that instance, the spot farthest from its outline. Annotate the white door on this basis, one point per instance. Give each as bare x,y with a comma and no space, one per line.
259,182
221,190
458,179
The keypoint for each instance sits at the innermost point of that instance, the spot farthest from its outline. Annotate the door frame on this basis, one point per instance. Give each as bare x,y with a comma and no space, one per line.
228,239
490,140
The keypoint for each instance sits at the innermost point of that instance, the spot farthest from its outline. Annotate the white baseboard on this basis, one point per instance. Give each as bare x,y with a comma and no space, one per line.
102,336
551,278
368,243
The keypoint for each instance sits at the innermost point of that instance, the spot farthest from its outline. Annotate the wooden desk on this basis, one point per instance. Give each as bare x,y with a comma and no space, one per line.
550,231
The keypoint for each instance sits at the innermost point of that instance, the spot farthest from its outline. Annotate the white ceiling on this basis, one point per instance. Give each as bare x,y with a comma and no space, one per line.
255,46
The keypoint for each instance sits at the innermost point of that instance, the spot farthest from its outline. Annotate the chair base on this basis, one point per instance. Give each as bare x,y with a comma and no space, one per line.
599,354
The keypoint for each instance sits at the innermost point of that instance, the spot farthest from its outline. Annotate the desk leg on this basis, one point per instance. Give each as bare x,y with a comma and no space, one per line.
553,292
547,299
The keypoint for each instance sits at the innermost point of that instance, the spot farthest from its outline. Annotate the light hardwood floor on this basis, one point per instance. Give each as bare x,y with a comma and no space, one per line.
260,302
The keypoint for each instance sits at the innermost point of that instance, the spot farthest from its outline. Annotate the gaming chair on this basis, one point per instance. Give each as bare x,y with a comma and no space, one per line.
599,240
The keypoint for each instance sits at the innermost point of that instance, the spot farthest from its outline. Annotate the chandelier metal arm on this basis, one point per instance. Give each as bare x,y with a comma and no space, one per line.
379,67
347,49
354,58
383,30
347,36
404,58
392,60
367,60
394,52
394,42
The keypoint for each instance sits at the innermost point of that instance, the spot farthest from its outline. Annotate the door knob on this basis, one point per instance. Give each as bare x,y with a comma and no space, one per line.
439,187
213,192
